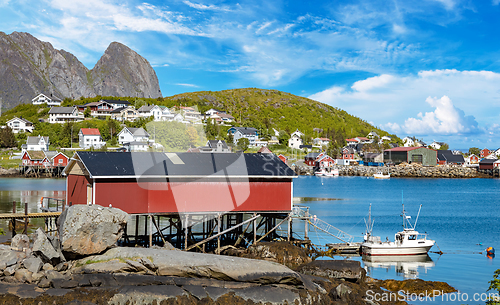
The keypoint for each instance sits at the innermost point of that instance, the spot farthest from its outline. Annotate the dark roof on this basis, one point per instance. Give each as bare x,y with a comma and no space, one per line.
213,143
245,130
202,165
118,110
305,146
62,110
312,155
117,102
449,156
487,161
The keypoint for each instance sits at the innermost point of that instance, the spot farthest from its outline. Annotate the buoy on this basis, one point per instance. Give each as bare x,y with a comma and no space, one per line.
490,250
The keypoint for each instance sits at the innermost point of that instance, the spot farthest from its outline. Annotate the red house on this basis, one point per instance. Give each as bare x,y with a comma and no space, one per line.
146,182
34,158
311,158
485,152
60,159
347,153
325,161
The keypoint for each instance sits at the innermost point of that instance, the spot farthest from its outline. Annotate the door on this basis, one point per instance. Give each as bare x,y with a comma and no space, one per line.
89,193
417,159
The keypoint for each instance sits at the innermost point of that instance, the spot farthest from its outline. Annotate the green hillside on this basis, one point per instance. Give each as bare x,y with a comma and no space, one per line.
251,107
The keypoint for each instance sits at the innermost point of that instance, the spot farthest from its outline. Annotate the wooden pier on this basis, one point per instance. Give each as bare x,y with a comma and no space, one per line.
50,214
344,248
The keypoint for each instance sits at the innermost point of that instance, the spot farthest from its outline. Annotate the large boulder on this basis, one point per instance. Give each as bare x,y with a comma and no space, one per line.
335,269
20,242
44,249
90,229
188,264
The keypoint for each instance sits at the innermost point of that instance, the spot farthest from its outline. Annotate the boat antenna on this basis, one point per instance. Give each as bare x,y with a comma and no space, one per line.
404,216
417,217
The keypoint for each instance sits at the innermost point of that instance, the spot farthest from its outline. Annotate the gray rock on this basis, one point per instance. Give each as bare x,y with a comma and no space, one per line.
9,271
146,294
20,242
43,248
335,269
47,266
188,264
87,230
23,275
44,283
3,265
33,264
37,277
51,275
269,295
64,284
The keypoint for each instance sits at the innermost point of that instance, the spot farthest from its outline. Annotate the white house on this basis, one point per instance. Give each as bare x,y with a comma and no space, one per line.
437,145
117,104
244,132
372,135
136,146
129,134
90,137
124,114
295,140
211,112
319,142
150,110
37,143
65,114
20,124
384,138
43,99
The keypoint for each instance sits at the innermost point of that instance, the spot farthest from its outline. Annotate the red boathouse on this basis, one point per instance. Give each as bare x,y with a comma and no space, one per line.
164,183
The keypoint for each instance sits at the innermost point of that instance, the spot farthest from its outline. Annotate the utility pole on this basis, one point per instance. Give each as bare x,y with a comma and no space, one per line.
71,139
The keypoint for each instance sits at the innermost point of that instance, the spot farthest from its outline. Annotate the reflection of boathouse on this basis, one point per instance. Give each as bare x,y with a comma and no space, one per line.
187,197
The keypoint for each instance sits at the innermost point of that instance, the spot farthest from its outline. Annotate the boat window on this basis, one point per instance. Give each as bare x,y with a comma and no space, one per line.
412,237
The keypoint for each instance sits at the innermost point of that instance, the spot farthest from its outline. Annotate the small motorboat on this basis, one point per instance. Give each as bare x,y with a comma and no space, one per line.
406,242
381,175
327,173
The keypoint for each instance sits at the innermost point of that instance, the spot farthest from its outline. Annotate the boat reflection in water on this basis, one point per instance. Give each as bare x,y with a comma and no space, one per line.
407,266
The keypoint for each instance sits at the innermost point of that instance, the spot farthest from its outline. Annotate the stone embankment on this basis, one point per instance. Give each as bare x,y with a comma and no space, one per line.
412,171
404,170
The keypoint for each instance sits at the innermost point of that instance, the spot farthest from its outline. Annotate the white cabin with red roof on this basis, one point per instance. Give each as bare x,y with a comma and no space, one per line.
90,137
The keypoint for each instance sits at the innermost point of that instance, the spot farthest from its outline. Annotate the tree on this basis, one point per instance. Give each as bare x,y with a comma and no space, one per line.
243,143
474,151
86,112
444,147
7,138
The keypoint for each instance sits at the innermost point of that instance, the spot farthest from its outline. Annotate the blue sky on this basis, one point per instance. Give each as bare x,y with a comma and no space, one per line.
428,68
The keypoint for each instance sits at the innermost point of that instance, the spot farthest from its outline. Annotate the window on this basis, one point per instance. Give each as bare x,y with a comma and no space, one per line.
60,161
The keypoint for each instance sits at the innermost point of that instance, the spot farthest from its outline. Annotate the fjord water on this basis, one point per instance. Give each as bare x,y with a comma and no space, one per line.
458,214
461,215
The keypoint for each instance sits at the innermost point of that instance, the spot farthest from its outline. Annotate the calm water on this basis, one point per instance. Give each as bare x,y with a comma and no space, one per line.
461,215
28,191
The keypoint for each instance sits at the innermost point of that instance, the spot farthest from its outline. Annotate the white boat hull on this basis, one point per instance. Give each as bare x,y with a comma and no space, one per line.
391,248
381,176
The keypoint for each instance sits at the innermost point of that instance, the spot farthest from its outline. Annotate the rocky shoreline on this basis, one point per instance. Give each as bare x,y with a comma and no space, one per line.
404,171
83,265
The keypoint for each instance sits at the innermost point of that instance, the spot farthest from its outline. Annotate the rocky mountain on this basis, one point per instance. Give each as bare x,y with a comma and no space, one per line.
29,66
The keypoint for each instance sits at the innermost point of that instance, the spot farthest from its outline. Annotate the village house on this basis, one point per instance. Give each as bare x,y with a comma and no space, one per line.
320,142
472,160
65,114
348,153
295,140
44,99
489,164
44,158
448,157
310,158
373,159
37,143
20,125
484,152
136,146
437,145
218,146
419,155
384,139
90,138
324,161
151,110
115,104
244,132
124,114
97,109
413,142
211,112
129,134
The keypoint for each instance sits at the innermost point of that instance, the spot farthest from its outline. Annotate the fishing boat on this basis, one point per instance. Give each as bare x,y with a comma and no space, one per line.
327,173
406,242
380,175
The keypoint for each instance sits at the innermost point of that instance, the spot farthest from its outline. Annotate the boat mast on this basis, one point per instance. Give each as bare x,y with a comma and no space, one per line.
417,217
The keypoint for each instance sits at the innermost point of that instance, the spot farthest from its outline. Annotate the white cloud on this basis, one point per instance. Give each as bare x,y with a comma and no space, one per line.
206,7
446,119
495,2
448,4
187,85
